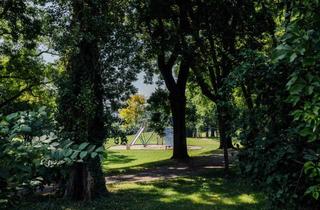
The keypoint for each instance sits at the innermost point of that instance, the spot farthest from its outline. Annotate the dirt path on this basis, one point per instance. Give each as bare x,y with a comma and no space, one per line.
194,166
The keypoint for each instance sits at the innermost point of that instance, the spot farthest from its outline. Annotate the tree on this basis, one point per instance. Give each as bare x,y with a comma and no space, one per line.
100,49
206,119
25,79
224,23
133,113
281,89
165,28
81,96
159,109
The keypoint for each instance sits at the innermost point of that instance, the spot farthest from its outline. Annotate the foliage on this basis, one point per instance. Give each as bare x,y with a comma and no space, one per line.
32,155
159,109
26,79
204,118
133,113
281,119
300,49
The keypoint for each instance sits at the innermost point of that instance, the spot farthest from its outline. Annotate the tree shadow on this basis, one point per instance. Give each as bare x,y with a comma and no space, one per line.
204,192
195,162
115,157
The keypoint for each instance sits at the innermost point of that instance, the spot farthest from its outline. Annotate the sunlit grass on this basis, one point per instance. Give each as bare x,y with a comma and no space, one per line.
121,160
208,191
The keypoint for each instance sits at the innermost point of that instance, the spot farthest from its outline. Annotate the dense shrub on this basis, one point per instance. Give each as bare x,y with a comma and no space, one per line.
32,156
280,133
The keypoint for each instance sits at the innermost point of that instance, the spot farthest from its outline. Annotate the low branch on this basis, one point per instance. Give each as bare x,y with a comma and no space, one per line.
13,77
28,88
8,101
205,88
47,52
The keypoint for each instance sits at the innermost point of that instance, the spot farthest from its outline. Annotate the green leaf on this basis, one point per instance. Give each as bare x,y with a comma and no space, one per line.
42,109
91,148
83,154
68,152
11,116
55,144
296,88
94,154
25,129
293,57
74,155
99,149
83,145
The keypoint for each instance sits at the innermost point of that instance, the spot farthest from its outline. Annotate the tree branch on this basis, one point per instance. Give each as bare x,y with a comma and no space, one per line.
205,88
28,88
13,77
8,101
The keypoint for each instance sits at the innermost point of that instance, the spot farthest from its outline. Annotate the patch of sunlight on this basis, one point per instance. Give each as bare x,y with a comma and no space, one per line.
170,196
245,198
218,181
229,201
128,186
198,199
215,197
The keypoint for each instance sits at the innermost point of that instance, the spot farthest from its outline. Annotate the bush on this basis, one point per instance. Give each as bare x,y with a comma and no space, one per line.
32,156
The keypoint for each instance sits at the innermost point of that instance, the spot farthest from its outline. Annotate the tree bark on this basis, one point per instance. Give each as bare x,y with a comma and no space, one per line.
224,127
178,108
224,140
85,120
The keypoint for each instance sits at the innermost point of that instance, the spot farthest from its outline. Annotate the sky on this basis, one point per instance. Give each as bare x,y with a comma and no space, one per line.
144,89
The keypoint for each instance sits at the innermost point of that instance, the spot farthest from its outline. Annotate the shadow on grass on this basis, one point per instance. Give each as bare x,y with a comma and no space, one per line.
205,159
117,158
206,192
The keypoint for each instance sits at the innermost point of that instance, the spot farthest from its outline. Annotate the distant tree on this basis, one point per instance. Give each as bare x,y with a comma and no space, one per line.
133,112
159,111
205,110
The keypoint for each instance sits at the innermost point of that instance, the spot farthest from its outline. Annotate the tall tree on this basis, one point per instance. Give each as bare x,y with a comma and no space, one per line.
82,97
165,26
225,26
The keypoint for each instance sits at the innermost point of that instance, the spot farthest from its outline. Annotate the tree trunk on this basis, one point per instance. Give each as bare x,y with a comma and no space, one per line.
83,101
178,108
224,140
80,183
224,126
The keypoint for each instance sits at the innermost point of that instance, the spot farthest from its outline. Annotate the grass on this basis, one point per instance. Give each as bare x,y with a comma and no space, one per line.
120,161
207,191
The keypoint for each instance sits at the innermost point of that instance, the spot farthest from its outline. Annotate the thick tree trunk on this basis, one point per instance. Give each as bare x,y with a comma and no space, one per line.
178,108
80,183
85,120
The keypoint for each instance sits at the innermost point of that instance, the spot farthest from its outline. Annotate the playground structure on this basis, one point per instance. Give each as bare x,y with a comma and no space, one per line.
145,140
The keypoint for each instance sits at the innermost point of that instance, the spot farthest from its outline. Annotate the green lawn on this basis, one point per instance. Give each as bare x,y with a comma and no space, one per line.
208,190
120,161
